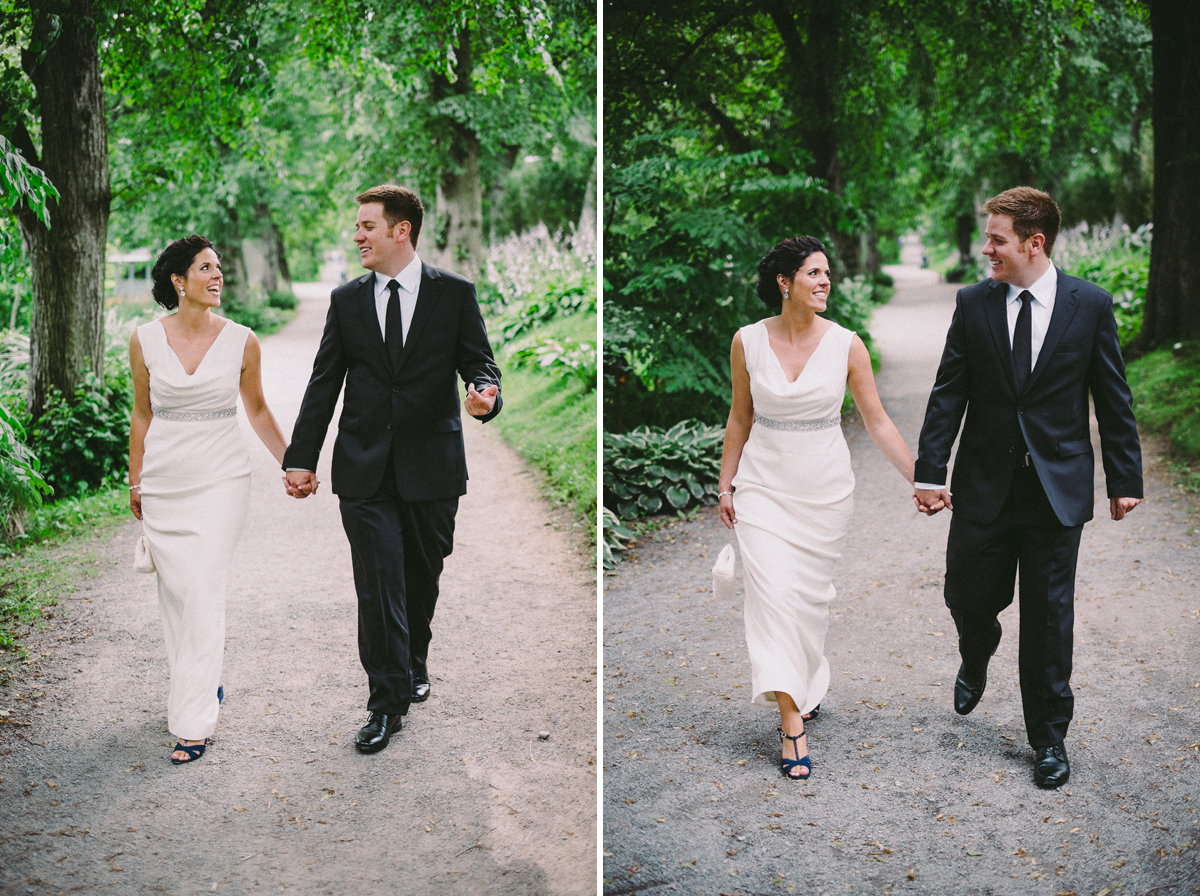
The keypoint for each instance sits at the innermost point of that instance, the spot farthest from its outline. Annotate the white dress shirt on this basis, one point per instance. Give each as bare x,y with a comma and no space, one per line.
410,281
1040,309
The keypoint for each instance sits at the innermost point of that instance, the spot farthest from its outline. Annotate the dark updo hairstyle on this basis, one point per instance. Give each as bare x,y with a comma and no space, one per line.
786,258
176,259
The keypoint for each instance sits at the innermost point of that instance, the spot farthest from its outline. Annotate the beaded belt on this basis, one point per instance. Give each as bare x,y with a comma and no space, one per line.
193,416
798,425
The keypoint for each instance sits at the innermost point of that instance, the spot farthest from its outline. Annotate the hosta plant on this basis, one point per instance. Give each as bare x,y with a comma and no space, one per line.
649,470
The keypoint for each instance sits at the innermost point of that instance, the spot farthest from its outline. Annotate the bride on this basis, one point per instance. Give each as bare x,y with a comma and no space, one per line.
786,468
189,471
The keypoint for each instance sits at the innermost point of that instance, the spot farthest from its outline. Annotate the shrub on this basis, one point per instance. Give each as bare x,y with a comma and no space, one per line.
21,482
254,310
565,358
283,299
1166,394
1116,259
83,443
647,467
615,536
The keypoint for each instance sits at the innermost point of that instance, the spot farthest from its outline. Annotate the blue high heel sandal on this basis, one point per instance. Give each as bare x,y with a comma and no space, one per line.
788,764
194,752
220,694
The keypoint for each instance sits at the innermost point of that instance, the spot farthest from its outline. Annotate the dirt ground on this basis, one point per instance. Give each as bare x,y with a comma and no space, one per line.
466,799
906,796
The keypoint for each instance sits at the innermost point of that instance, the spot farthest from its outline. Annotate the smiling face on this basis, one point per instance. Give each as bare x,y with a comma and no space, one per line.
1010,259
810,285
204,280
383,249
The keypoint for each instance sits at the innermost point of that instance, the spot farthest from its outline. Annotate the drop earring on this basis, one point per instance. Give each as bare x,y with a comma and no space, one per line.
785,293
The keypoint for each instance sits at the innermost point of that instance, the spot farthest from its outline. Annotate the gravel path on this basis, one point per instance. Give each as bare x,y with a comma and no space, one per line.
906,796
466,799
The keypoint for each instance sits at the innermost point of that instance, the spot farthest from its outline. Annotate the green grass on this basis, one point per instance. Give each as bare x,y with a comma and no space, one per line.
64,544
1166,395
551,422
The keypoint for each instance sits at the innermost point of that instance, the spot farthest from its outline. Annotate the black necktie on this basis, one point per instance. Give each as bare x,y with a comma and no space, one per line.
393,329
1022,345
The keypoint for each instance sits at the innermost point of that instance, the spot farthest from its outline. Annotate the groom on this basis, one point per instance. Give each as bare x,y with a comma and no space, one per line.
397,338
1023,351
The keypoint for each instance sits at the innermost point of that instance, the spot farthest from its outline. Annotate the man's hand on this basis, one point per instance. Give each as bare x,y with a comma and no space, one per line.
1118,507
301,483
931,500
480,403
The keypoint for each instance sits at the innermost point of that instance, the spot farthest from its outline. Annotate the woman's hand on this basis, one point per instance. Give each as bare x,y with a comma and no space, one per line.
135,502
728,517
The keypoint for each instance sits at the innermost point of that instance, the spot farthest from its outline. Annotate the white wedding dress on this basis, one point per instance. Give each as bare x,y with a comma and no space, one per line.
794,494
195,488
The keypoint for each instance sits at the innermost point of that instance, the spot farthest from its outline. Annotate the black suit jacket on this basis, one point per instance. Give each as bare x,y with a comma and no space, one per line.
412,411
1081,354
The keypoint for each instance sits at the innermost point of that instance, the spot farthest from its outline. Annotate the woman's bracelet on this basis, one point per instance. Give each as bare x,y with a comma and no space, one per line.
721,495
134,488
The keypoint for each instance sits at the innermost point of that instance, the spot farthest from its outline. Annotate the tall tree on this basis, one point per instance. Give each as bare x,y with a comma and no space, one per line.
61,61
1173,294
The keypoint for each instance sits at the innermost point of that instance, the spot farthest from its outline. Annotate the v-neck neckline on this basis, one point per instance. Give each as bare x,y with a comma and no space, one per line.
203,358
779,364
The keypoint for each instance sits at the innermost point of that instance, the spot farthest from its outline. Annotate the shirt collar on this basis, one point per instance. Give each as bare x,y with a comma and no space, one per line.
1043,290
409,278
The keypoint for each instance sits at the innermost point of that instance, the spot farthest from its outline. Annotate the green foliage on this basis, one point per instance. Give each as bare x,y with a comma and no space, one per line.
1166,394
21,482
649,468
22,182
284,300
567,358
615,536
537,286
83,443
1116,259
257,311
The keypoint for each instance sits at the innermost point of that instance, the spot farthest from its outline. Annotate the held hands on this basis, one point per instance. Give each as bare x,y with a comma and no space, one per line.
480,403
1118,507
301,483
930,501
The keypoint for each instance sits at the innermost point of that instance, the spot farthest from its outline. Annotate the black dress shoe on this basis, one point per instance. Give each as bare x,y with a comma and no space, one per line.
1051,768
968,690
374,736
420,689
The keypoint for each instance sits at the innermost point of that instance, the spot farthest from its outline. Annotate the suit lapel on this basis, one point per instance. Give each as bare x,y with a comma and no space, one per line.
427,299
997,317
1065,304
365,300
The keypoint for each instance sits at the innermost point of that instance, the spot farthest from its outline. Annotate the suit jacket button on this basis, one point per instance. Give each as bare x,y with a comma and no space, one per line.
389,426
395,388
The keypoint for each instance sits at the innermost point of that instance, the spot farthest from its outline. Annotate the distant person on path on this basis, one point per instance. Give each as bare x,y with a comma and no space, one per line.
397,337
189,472
786,468
1023,351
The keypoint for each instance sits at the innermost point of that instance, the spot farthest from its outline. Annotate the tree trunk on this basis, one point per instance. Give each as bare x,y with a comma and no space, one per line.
813,63
585,233
1173,293
67,259
964,232
460,191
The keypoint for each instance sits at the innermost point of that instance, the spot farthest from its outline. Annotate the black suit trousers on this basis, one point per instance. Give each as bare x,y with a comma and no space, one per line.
982,562
398,550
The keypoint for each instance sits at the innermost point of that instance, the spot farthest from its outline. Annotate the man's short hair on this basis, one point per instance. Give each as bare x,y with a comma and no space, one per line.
399,204
1031,210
